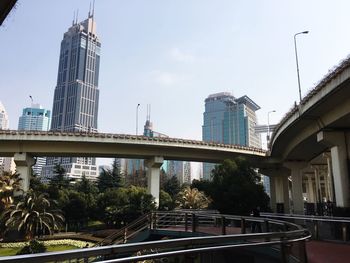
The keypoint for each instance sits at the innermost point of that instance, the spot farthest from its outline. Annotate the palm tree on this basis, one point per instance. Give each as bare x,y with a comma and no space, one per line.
9,184
34,215
191,198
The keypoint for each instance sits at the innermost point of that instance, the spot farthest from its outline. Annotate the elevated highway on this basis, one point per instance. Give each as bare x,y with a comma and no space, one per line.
36,143
312,142
24,145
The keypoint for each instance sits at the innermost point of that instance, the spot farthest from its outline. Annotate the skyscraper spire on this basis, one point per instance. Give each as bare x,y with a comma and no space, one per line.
73,18
89,10
76,19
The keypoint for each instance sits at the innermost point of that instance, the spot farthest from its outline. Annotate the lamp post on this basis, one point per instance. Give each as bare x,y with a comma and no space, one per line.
137,117
296,58
268,127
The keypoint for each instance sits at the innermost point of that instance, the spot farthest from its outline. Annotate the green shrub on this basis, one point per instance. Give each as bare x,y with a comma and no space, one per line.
34,247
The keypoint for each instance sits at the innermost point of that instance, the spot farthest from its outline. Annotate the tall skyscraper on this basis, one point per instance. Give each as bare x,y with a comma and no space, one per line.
6,163
229,120
35,118
75,103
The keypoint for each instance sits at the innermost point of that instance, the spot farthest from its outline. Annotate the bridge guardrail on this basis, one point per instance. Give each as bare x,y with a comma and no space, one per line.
286,240
328,228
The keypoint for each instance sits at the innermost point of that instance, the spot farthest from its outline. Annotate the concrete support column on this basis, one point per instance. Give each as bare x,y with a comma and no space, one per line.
153,176
317,185
297,185
330,178
337,141
273,193
284,192
310,189
279,192
24,163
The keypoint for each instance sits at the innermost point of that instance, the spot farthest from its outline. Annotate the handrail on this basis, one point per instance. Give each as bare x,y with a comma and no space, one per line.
122,232
309,217
167,248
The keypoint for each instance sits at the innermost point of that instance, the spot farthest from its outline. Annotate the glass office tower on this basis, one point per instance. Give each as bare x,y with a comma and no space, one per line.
229,120
75,103
35,118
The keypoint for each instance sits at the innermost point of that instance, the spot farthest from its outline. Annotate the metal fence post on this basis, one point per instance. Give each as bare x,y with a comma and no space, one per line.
223,225
193,223
151,220
186,222
243,226
344,232
316,229
267,226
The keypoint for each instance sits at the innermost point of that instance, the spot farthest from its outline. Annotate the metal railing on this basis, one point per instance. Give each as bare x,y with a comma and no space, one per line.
284,240
328,228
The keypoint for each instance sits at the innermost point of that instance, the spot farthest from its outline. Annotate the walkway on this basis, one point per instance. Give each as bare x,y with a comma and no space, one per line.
327,252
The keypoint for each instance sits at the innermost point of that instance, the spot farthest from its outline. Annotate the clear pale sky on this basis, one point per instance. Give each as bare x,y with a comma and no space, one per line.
173,54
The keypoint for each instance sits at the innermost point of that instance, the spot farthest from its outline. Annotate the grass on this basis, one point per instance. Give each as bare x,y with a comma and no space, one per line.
8,251
13,251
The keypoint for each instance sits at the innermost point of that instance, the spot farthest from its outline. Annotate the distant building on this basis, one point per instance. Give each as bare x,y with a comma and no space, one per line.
75,102
6,163
35,118
229,120
136,167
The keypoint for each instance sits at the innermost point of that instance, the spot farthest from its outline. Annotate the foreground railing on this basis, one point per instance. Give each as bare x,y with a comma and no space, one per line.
283,241
328,228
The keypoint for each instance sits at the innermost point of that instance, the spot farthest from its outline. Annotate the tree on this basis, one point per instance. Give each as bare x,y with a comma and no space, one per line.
165,201
235,188
9,184
60,179
33,215
122,205
172,186
191,198
110,178
74,205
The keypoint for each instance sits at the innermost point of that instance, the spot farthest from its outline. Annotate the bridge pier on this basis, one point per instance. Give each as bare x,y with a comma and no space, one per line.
338,143
296,169
279,192
153,176
24,163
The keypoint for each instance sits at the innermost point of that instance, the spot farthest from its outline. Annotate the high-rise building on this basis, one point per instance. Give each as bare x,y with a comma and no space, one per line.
75,103
35,118
6,163
229,120
135,167
4,119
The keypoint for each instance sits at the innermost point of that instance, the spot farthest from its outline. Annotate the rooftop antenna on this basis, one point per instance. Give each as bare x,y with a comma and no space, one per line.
76,19
93,8
90,9
73,18
149,114
148,117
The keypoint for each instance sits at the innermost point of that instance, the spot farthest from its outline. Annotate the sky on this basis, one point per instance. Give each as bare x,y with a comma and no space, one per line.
173,54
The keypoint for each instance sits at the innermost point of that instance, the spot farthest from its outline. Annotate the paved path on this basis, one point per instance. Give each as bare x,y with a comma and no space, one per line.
327,252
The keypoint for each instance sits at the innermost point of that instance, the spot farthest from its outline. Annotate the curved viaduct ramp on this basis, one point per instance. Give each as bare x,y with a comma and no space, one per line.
36,143
326,108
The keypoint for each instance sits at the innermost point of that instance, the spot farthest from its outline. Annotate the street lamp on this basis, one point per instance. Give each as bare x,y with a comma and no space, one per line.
268,127
296,58
137,117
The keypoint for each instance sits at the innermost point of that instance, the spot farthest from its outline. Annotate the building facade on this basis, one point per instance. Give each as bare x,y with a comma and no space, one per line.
6,163
229,120
35,118
76,97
